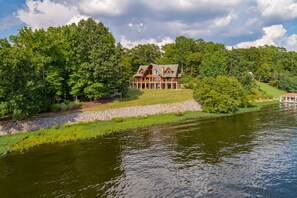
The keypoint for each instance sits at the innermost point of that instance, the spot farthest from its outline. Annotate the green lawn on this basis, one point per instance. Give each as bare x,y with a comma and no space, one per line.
274,92
147,97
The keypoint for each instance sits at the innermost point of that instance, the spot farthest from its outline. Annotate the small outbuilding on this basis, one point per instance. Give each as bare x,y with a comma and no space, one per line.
289,98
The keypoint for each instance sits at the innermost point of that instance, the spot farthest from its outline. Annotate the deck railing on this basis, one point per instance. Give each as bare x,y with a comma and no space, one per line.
156,81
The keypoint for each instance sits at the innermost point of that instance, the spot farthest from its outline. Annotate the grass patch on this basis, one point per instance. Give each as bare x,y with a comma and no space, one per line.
272,91
89,130
147,97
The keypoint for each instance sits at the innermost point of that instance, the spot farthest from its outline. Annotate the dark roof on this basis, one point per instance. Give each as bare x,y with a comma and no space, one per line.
161,70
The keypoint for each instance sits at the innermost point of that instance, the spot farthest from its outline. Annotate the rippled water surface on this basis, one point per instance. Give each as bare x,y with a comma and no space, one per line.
248,155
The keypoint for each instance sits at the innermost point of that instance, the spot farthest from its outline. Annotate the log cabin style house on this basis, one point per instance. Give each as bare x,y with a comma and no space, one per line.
156,77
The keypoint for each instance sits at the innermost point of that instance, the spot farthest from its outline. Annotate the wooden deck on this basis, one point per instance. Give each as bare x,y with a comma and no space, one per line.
155,84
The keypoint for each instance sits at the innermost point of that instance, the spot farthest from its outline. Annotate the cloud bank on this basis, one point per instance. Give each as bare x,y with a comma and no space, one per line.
232,22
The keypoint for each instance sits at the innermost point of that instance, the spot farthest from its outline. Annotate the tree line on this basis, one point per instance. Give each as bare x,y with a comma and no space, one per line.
42,67
223,79
83,62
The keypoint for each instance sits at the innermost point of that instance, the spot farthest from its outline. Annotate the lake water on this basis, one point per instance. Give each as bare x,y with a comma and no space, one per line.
248,155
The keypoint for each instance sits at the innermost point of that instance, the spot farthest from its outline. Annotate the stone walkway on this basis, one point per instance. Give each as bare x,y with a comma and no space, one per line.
30,125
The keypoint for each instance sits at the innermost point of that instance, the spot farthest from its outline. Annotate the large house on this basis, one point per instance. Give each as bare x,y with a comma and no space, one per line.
156,77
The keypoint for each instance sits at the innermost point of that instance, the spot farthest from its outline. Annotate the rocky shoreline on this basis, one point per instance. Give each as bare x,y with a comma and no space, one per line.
72,118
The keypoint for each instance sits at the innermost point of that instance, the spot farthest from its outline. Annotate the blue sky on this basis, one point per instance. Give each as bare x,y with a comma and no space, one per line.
236,23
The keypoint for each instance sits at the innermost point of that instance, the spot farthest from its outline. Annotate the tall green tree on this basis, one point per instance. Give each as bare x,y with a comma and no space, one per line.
214,64
22,92
144,54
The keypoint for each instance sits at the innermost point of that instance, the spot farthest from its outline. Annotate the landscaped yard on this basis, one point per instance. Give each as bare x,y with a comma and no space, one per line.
146,97
274,92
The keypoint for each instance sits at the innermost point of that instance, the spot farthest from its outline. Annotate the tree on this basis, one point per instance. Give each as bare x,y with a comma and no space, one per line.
220,95
168,55
98,66
214,64
144,54
183,48
192,64
21,87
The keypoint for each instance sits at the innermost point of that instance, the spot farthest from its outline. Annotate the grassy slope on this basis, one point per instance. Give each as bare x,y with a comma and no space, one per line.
147,97
274,92
84,131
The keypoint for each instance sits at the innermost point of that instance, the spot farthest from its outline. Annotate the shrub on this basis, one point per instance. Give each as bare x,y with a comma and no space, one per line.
66,105
63,107
54,107
220,95
179,113
67,102
77,104
118,119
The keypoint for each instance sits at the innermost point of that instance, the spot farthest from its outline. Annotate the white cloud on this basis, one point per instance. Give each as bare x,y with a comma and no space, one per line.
42,14
291,42
189,4
99,7
77,18
130,44
224,21
273,35
284,9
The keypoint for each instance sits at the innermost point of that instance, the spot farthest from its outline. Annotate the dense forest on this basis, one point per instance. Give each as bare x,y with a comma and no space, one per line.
39,68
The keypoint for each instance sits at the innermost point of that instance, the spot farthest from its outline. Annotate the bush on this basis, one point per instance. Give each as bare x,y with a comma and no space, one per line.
179,113
77,104
54,107
66,105
67,102
63,107
220,95
119,119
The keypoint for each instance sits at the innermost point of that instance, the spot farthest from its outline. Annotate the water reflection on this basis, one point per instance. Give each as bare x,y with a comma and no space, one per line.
240,156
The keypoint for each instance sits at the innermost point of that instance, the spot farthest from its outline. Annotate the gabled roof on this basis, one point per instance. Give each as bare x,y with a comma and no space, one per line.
161,70
138,74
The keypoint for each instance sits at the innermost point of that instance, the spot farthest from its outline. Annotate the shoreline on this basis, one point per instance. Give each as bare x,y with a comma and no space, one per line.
13,127
93,129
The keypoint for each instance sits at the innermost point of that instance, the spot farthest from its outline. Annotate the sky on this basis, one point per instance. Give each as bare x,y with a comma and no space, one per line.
235,23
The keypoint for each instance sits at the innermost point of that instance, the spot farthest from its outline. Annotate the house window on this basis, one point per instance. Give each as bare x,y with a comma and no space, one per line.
168,71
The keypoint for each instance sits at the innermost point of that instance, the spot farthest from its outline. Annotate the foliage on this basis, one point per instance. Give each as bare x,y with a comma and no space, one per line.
144,54
43,67
21,88
214,64
118,119
220,95
66,105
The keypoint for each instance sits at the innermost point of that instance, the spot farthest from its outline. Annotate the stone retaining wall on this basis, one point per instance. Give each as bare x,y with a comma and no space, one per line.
39,123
